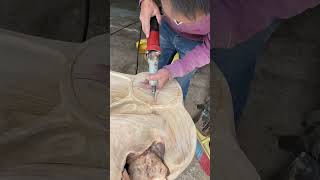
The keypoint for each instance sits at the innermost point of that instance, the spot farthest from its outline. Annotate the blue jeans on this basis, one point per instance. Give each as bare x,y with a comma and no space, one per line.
238,66
170,44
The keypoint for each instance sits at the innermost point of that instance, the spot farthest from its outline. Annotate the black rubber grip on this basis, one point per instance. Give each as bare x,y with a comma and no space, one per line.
154,26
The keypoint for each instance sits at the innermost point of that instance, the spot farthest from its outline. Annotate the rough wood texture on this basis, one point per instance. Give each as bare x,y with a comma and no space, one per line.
137,122
149,165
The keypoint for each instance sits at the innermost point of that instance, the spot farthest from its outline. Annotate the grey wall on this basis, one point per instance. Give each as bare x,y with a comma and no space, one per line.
55,19
99,16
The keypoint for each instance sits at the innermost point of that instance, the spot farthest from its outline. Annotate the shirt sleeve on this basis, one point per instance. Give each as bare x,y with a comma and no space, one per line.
196,58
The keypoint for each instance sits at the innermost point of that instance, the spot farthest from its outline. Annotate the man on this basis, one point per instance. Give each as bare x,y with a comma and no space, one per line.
184,28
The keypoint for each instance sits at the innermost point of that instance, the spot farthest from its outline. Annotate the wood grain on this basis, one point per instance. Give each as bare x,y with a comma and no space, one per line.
137,121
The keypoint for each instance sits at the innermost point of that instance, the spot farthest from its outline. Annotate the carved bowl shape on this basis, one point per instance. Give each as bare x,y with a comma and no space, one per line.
137,121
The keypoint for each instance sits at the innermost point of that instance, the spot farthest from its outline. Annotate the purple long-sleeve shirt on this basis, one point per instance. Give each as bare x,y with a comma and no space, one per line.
198,56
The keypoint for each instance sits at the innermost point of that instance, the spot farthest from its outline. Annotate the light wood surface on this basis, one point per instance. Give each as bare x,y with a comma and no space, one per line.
137,121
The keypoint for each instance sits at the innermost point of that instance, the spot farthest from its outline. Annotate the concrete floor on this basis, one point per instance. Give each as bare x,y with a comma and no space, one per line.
123,59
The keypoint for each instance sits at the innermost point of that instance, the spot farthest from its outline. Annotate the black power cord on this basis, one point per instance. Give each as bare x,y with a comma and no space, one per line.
137,63
124,27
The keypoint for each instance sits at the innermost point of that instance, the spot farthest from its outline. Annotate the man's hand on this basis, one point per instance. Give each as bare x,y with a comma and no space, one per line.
162,76
148,9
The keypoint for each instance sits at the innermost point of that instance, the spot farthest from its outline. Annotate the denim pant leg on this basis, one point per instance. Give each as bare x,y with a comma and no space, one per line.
238,66
170,43
183,46
167,48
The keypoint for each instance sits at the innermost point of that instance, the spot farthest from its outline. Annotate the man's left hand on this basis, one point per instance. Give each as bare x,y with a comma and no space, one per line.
162,76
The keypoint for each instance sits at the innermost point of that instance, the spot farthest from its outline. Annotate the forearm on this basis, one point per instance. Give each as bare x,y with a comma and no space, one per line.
196,58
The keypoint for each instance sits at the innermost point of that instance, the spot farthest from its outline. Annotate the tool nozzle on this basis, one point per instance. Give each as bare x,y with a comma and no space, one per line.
154,89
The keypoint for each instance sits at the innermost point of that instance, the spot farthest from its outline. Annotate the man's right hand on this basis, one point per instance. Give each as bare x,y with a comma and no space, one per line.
148,9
